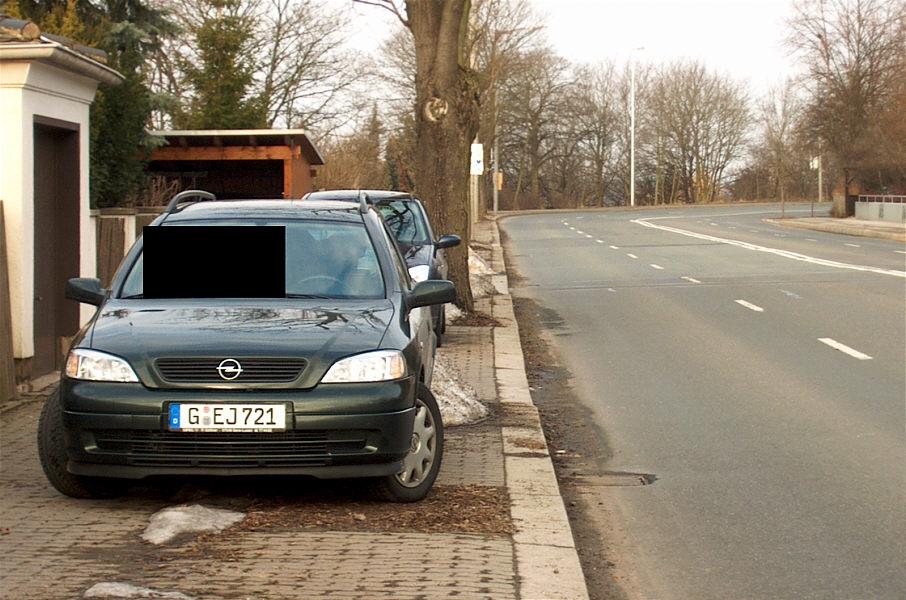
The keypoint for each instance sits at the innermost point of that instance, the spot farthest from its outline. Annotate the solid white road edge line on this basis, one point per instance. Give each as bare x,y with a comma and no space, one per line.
775,251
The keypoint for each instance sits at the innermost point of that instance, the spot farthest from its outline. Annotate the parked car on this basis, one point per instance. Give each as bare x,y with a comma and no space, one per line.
408,221
328,377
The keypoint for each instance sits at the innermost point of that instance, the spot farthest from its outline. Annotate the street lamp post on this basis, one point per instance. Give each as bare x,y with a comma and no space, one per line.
632,127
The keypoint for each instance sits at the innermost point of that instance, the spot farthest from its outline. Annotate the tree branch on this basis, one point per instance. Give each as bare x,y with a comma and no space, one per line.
386,5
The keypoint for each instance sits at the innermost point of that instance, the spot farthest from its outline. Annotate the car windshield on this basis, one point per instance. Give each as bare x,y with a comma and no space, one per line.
406,221
324,259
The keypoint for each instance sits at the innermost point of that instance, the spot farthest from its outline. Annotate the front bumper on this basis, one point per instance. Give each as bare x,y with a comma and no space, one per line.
333,431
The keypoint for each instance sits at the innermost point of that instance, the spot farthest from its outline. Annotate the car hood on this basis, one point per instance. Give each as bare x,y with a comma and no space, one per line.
142,331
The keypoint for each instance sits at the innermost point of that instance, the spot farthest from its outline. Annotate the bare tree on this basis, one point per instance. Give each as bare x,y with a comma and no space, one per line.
779,113
596,98
702,119
446,117
294,51
499,32
354,161
530,101
853,51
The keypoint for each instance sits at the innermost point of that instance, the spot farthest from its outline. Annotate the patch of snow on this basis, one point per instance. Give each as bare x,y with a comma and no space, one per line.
111,590
458,402
480,276
478,265
168,523
482,286
453,312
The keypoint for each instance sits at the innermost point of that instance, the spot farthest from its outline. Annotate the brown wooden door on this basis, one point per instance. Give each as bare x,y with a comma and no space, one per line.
56,240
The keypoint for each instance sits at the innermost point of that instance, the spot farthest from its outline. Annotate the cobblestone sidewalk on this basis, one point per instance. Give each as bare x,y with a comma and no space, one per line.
54,547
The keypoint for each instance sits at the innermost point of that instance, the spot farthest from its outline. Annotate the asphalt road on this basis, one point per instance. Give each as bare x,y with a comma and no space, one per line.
757,372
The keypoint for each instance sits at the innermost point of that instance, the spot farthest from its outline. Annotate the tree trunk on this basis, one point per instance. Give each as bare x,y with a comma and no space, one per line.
446,123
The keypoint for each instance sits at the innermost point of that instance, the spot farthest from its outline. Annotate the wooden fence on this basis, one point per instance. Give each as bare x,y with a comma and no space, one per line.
115,231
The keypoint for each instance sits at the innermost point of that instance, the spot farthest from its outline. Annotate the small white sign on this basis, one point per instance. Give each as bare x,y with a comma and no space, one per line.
477,166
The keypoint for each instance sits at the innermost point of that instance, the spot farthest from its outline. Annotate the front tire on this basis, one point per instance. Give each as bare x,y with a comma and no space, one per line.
54,459
422,464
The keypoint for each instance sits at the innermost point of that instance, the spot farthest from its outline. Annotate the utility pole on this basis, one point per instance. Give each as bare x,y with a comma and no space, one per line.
632,127
495,159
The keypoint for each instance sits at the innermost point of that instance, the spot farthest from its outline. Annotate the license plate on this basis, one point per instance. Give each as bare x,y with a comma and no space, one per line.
227,417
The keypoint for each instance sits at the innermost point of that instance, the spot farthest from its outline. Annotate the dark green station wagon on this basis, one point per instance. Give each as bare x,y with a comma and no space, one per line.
252,337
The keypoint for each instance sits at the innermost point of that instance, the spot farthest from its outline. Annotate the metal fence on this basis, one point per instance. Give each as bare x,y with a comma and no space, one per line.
881,208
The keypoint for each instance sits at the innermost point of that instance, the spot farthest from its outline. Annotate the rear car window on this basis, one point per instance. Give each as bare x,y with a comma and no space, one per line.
406,221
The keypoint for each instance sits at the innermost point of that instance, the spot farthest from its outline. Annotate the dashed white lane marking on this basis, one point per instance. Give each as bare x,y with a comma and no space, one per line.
810,240
614,247
775,251
793,295
589,236
852,245
658,267
600,241
900,251
844,348
750,306
631,255
691,279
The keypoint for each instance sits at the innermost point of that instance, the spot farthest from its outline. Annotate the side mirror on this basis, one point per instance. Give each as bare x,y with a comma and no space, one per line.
435,291
448,241
86,289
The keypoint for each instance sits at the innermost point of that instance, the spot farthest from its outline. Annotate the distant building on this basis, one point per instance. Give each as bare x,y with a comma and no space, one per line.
245,163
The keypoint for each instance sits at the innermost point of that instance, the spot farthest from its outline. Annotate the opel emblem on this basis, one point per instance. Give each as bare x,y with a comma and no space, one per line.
229,369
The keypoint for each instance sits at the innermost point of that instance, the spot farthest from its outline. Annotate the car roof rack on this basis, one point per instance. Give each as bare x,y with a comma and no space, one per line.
363,202
180,199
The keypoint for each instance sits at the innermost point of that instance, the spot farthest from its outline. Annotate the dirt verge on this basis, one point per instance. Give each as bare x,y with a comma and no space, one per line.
578,448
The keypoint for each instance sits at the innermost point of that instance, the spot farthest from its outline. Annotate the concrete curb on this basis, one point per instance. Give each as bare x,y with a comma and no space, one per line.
879,230
547,563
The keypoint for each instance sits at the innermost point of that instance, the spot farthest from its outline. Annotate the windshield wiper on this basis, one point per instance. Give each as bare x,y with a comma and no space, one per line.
309,296
132,297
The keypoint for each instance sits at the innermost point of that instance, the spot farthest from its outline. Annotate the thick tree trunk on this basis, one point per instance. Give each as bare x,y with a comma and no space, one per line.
446,124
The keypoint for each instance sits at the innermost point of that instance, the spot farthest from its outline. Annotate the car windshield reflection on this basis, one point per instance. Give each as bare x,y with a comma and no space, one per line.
323,260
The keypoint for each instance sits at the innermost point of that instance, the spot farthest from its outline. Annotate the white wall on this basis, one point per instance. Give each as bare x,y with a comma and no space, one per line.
27,89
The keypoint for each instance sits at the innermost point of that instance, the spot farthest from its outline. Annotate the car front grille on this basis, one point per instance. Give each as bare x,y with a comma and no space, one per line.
229,450
253,370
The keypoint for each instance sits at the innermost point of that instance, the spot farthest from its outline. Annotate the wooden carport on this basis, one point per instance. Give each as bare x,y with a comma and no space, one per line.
244,163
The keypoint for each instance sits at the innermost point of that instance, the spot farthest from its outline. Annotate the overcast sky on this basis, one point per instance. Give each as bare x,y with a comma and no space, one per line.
743,38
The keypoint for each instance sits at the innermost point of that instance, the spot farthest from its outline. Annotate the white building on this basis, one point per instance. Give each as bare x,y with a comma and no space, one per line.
47,86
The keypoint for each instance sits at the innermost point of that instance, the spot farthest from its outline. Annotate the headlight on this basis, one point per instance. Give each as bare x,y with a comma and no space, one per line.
419,273
92,365
382,365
